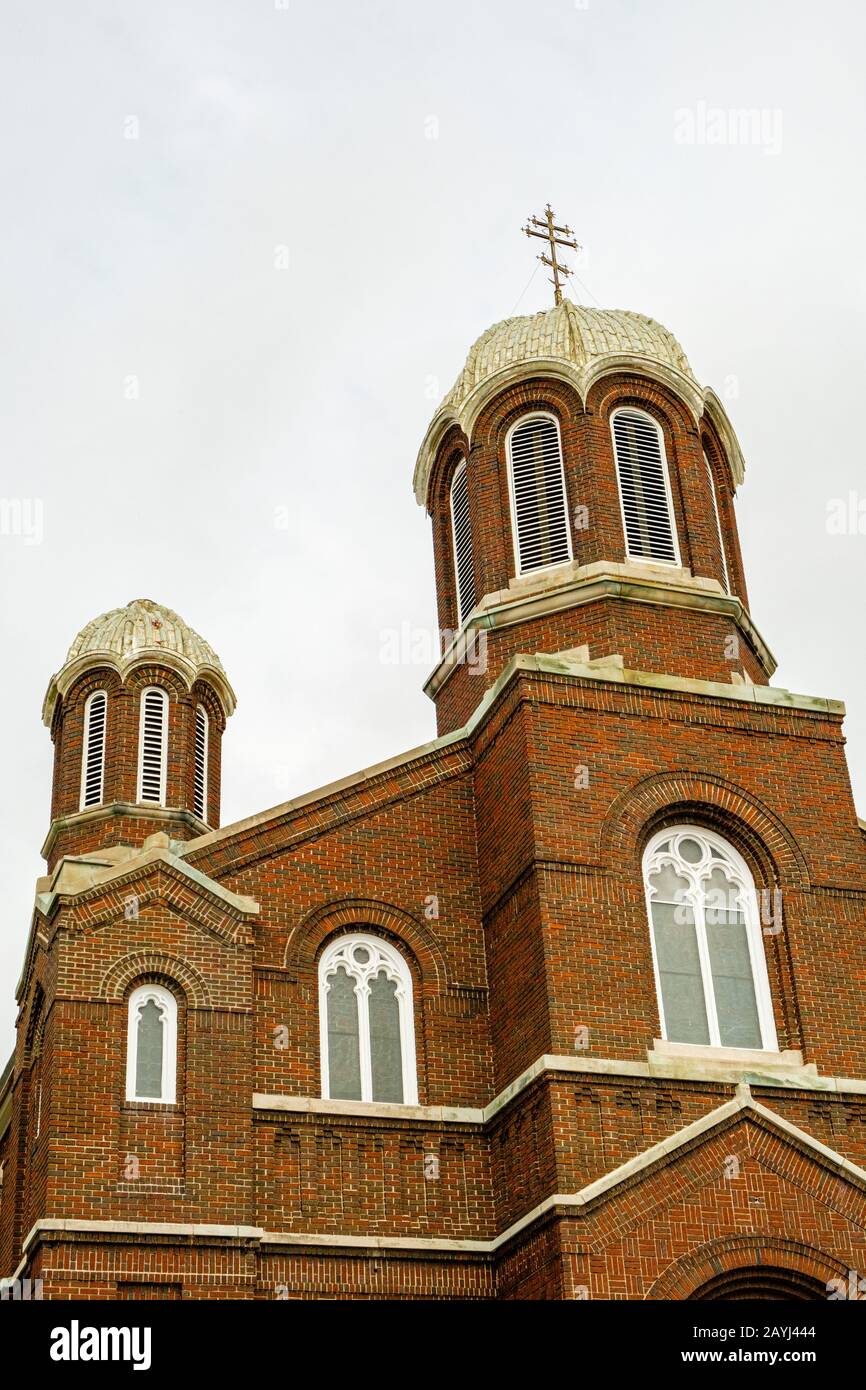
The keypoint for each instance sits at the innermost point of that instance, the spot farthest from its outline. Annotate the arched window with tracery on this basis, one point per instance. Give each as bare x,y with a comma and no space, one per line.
708,951
366,1021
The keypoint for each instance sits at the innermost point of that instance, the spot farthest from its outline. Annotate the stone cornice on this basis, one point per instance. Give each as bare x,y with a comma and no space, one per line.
702,1066
723,1118
130,809
572,586
189,671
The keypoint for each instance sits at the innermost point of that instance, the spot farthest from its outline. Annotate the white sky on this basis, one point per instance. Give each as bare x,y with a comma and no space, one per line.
308,126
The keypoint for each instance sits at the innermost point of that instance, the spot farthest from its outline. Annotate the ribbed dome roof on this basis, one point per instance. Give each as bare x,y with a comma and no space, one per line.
568,332
127,637
578,344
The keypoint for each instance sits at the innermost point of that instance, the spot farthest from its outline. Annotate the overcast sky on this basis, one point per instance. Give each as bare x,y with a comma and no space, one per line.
246,249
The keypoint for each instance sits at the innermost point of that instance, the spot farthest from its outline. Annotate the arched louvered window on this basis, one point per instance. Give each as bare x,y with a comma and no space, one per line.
152,745
712,485
708,951
461,531
644,488
93,751
199,776
151,1045
366,1019
539,509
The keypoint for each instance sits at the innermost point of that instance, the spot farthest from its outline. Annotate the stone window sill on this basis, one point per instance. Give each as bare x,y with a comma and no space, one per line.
667,1056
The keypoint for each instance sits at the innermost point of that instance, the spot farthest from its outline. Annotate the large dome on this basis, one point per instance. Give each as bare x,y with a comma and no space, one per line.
140,632
570,341
568,333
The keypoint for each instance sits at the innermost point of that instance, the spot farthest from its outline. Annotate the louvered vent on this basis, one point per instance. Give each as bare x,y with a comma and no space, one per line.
462,532
199,789
93,762
643,488
712,482
538,494
151,775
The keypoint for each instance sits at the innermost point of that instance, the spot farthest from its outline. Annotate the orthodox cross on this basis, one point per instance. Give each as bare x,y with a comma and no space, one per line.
554,236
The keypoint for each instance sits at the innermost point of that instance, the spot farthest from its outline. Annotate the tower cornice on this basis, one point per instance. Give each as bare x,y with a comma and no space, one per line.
571,586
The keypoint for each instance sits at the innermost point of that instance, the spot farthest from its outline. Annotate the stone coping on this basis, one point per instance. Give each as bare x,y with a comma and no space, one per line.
134,810
606,670
765,1069
743,1103
572,585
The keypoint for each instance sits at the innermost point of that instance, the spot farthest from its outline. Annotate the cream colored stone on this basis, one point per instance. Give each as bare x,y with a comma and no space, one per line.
127,637
313,1105
742,1103
573,586
68,882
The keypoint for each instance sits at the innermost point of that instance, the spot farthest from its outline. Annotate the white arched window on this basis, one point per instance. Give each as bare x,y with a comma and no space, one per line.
152,745
151,1046
539,510
718,520
708,951
461,534
93,750
366,1022
644,488
199,775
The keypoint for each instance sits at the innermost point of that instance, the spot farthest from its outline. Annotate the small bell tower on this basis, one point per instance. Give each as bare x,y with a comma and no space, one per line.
581,483
137,713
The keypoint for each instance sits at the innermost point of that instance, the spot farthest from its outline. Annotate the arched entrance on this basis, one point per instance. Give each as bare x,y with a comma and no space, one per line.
765,1268
764,1282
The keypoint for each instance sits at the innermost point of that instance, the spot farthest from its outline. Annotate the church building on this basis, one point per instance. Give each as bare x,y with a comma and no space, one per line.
565,1004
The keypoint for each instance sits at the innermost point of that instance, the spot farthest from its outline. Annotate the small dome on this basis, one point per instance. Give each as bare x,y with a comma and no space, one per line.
578,344
567,333
142,631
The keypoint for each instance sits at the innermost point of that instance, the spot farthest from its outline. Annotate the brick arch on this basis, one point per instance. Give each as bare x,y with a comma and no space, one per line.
686,1276
149,672
714,800
453,446
720,467
541,392
453,452
679,432
121,973
309,936
203,693
538,392
94,678
619,388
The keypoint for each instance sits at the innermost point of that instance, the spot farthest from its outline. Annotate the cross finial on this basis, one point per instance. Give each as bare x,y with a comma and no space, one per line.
555,236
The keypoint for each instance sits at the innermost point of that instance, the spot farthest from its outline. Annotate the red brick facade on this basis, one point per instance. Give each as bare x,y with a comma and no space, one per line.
556,1151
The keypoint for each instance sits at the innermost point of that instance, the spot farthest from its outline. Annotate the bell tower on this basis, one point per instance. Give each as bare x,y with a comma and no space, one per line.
581,488
136,713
